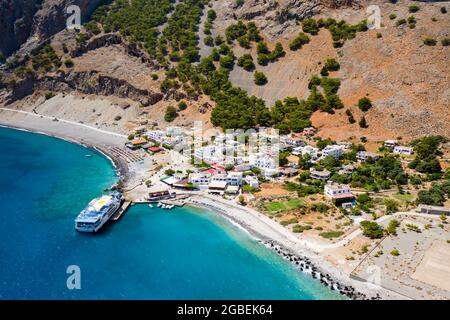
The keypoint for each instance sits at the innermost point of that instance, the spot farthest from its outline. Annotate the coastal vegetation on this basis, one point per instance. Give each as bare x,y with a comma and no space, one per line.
331,234
392,227
427,151
274,207
372,229
435,195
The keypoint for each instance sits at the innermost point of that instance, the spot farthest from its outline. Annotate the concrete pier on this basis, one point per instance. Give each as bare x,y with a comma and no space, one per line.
123,208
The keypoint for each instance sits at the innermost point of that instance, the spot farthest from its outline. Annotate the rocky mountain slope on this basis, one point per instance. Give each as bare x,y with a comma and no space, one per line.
31,21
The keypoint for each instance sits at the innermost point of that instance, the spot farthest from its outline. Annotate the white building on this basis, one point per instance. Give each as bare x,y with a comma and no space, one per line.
403,150
174,131
200,178
306,150
209,154
170,141
336,189
345,145
363,156
323,175
219,177
252,181
347,169
294,141
156,135
334,151
390,144
267,164
234,178
217,187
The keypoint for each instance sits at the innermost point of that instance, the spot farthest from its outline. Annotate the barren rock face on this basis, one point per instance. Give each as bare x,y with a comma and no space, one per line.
277,17
33,21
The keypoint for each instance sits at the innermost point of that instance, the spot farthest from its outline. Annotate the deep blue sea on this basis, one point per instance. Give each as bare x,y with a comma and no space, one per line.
149,254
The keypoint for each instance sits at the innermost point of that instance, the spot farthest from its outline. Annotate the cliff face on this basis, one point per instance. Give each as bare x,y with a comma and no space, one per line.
15,22
28,22
85,82
275,18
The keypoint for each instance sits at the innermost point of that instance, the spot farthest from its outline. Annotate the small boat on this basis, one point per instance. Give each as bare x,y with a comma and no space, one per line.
150,205
88,155
159,204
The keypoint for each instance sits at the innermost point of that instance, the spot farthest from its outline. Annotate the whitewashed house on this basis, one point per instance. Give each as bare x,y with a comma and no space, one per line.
404,150
306,150
334,151
267,164
252,181
334,189
200,179
363,156
323,175
340,194
156,135
210,154
234,178
174,131
391,144
294,141
170,141
347,169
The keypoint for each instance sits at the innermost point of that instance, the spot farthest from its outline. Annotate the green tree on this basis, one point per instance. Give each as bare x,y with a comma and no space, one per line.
391,205
413,8
182,105
299,41
363,122
392,227
246,62
260,78
429,42
372,229
227,62
364,104
171,114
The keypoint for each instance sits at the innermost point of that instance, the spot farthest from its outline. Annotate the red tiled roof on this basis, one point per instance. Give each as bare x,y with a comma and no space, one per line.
138,141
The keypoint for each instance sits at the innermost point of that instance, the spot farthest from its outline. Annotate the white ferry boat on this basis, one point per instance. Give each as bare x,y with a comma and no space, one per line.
98,212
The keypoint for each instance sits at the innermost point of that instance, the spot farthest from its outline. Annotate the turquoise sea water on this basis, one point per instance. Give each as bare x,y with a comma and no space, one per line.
149,254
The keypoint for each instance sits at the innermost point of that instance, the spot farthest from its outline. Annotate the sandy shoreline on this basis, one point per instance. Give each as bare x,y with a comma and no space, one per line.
256,224
279,239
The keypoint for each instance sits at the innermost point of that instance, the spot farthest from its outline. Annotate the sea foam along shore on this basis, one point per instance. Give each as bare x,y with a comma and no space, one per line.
279,239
